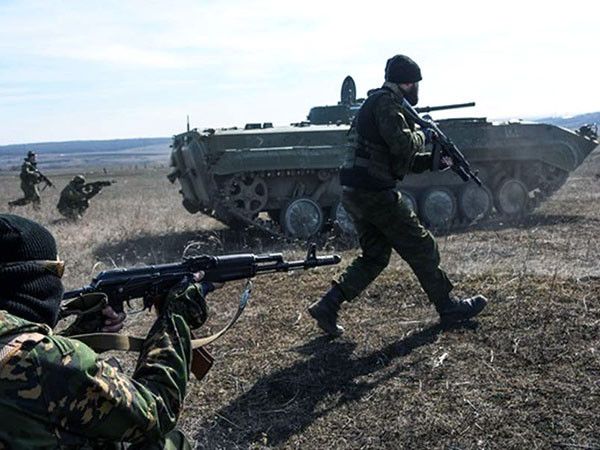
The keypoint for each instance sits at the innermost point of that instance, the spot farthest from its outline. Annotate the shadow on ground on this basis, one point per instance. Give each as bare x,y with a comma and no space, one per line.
287,401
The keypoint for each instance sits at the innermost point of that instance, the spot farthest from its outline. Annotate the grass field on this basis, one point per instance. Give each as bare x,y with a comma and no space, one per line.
525,374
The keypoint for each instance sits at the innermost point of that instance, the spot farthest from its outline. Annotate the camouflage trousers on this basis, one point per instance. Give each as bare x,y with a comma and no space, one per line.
384,222
31,194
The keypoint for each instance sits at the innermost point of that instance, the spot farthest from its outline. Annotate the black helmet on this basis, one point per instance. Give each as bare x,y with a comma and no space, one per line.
30,154
402,69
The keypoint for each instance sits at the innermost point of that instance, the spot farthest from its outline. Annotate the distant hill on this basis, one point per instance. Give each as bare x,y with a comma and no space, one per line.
572,122
55,155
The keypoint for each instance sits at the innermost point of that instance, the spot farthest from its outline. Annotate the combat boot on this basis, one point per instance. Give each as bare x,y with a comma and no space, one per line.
325,311
453,310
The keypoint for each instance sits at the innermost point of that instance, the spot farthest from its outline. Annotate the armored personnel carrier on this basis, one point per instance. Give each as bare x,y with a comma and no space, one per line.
284,180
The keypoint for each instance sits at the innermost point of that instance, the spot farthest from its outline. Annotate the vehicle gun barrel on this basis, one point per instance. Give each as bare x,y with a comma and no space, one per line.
428,109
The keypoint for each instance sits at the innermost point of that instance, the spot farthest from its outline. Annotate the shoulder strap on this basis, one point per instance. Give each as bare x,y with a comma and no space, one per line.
8,349
102,342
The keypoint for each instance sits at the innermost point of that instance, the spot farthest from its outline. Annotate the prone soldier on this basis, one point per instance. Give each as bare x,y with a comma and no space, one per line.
385,147
74,198
30,178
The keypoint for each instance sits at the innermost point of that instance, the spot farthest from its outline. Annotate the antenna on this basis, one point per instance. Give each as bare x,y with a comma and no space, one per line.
188,123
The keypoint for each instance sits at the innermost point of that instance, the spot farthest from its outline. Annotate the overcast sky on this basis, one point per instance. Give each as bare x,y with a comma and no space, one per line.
125,68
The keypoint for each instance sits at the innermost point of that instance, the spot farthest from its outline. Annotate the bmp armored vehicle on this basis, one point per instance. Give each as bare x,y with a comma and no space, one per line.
284,180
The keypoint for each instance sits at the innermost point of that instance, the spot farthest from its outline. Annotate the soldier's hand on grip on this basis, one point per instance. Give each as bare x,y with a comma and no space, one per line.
113,321
187,299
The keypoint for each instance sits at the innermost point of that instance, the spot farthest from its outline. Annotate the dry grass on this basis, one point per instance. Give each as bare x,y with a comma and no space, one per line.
526,374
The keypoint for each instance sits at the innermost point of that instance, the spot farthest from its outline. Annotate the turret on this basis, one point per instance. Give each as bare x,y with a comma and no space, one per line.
344,111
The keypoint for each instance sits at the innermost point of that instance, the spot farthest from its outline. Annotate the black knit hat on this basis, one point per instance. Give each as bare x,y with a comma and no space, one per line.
402,69
28,290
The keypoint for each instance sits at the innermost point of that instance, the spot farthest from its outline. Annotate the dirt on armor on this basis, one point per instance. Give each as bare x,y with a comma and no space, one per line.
525,374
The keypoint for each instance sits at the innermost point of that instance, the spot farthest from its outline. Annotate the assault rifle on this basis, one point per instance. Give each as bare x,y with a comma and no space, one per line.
460,165
97,185
94,188
122,285
45,179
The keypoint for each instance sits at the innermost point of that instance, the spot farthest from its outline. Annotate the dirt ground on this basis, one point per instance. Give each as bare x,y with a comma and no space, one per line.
525,374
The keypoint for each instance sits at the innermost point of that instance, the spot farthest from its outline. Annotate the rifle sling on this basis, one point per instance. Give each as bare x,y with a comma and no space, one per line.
102,342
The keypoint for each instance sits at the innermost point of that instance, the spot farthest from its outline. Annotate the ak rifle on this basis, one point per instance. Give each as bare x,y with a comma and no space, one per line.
460,165
122,285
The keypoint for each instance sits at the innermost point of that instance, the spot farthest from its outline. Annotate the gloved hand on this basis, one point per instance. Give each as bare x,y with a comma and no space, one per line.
187,299
94,314
430,135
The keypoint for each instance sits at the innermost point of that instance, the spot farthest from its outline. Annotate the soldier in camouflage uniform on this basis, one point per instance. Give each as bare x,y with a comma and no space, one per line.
30,178
385,147
56,392
74,198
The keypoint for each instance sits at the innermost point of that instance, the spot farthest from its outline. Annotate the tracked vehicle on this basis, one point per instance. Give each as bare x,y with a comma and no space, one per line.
284,180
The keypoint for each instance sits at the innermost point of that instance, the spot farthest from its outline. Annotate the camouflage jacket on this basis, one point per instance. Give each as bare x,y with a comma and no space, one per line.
56,392
29,173
72,197
384,143
406,144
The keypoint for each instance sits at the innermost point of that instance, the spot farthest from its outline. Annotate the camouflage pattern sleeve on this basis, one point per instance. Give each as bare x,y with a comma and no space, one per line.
399,135
72,196
88,397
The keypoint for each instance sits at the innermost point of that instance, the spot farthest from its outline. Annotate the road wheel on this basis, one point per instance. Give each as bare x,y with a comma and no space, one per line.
342,220
410,200
302,218
475,202
438,207
511,198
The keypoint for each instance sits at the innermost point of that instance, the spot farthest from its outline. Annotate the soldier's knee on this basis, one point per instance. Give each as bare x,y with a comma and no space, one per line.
378,261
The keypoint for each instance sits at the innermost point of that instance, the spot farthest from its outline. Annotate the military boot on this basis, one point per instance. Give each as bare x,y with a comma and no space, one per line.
325,311
453,310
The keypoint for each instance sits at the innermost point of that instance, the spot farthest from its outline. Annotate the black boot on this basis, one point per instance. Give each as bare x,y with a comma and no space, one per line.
325,311
453,310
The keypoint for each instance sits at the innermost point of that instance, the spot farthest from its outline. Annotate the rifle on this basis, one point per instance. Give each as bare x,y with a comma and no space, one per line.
122,285
94,188
447,148
100,184
45,179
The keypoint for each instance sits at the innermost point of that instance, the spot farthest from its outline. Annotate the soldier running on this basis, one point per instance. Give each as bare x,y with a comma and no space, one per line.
385,148
30,178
